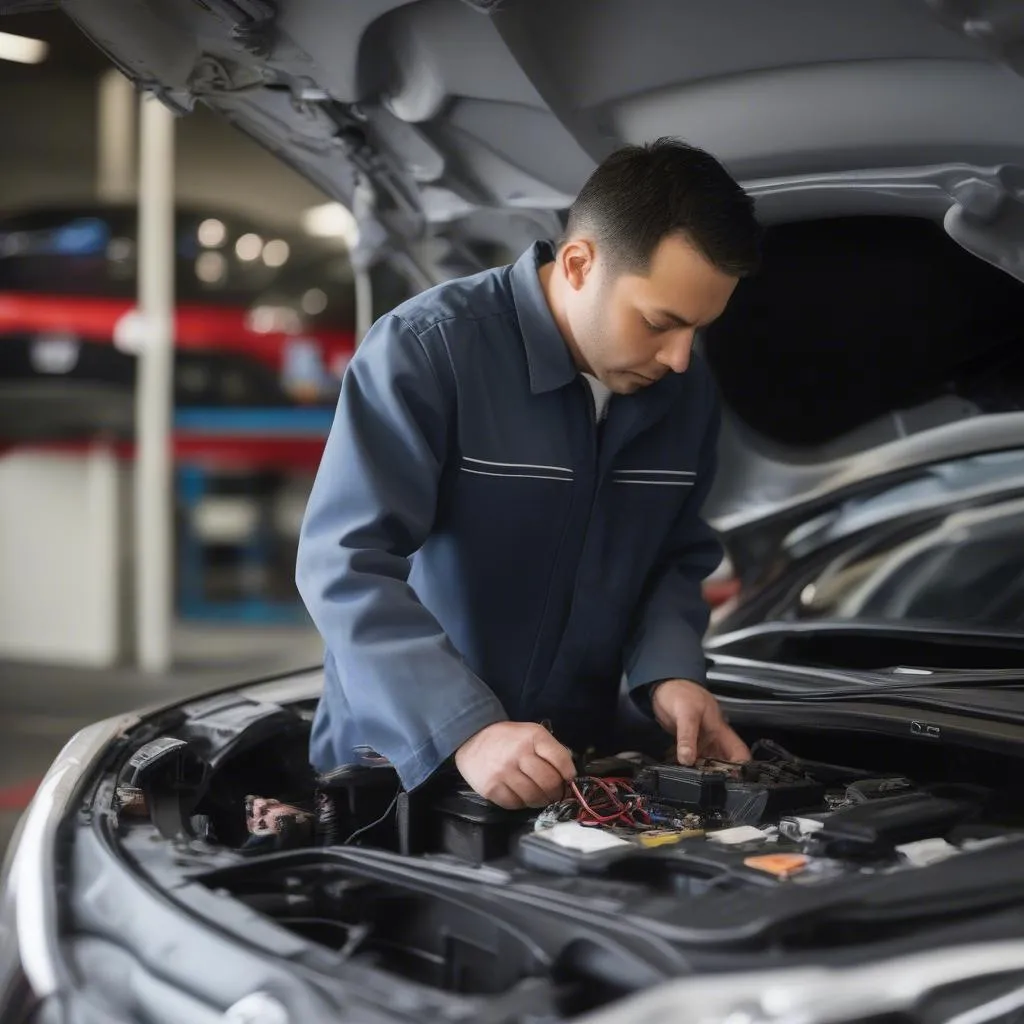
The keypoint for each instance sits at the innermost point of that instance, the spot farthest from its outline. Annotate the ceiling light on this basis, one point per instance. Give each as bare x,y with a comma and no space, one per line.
249,247
120,249
55,353
211,267
275,252
314,301
273,319
212,233
22,49
332,220
262,319
14,243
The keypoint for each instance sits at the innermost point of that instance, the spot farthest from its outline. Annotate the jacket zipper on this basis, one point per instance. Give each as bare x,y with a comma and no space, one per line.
523,693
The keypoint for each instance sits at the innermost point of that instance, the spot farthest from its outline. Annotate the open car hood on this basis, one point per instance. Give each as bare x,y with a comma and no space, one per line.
476,122
459,131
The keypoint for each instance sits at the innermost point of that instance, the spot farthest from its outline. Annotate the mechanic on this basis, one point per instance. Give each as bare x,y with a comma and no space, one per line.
506,521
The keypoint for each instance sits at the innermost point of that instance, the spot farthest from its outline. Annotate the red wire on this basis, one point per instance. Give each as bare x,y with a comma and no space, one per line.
600,819
627,786
623,810
602,813
609,807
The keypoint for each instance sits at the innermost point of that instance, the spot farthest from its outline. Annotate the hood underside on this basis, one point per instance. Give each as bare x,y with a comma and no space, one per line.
459,131
474,122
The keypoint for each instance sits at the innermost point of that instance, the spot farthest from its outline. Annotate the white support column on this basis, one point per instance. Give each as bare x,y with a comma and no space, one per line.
362,208
364,302
154,388
115,139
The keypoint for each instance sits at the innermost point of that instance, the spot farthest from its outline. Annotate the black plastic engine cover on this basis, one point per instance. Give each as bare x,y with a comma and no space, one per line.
743,794
879,825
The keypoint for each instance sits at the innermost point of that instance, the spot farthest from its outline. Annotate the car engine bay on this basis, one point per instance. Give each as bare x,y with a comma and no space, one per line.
823,844
828,846
787,816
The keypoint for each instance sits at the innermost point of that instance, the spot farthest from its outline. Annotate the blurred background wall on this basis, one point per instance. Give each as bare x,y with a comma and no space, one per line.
264,328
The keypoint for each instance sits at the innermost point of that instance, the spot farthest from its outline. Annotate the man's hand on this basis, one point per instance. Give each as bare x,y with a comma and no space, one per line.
515,765
693,716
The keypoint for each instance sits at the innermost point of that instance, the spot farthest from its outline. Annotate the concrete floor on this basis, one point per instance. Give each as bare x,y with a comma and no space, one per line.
41,706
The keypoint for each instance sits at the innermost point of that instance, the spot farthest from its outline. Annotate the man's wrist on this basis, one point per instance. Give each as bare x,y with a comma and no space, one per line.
653,688
675,679
643,696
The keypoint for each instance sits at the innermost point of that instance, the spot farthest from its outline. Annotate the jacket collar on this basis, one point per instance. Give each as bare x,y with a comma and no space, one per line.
547,355
551,365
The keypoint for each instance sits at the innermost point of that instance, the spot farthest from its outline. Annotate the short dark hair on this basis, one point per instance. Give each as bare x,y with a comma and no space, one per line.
642,194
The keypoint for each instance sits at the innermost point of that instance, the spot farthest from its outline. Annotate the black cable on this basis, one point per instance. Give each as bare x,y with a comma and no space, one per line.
373,824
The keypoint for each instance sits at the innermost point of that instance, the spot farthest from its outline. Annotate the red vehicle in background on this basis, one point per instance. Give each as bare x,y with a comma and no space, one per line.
264,319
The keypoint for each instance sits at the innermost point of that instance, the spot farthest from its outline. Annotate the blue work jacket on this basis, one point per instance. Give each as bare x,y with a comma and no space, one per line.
476,549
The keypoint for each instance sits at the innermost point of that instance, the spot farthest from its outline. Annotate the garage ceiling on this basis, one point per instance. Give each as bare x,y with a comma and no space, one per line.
48,124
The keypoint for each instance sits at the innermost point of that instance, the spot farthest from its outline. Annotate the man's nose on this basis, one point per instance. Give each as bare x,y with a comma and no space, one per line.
676,354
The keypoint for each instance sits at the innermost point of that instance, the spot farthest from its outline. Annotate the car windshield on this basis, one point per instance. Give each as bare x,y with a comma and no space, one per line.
946,546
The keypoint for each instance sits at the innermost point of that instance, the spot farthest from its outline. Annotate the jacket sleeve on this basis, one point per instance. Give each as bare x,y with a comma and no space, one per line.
667,639
372,506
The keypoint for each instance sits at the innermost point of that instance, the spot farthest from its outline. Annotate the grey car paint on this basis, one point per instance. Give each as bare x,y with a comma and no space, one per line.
826,996
915,565
509,112
760,485
28,895
817,995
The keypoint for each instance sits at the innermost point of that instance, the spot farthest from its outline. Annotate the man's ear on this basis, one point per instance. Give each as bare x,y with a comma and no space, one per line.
577,258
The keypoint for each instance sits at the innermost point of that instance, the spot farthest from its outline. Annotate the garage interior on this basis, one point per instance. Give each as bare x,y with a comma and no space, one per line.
629,627
66,639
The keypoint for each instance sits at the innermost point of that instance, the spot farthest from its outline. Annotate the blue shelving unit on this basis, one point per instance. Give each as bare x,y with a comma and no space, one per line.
192,480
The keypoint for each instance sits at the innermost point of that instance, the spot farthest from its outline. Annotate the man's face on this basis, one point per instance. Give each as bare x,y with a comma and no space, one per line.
632,329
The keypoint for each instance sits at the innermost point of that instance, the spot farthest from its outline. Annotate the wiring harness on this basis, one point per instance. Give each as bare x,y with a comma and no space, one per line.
611,801
667,796
599,801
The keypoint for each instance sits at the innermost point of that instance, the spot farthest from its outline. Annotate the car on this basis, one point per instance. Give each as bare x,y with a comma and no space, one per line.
186,864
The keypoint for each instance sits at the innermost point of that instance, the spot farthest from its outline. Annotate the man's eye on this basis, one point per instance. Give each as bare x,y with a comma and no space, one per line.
653,327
